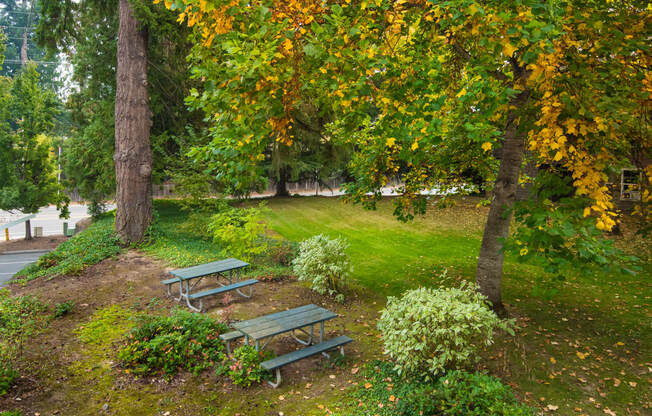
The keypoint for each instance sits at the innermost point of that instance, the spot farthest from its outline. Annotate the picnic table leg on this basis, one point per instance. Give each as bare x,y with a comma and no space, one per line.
257,345
278,379
321,332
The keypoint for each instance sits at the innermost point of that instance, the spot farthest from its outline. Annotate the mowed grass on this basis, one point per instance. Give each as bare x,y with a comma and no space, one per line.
587,350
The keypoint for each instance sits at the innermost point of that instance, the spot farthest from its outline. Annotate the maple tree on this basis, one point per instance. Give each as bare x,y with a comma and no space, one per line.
430,89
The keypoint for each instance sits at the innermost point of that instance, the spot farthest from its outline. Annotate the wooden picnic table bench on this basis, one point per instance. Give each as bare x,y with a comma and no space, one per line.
190,277
303,319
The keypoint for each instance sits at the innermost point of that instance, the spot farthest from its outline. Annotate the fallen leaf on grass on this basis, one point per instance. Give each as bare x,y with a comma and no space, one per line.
552,407
367,385
355,370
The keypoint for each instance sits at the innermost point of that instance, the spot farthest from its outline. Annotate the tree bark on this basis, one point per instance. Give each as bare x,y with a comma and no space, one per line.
490,259
28,230
281,183
133,119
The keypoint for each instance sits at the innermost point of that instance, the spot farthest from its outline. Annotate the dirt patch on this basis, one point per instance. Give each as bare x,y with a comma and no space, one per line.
40,243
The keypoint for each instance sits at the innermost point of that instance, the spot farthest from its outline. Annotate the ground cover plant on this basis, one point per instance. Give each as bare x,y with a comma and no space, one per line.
165,344
384,392
245,369
89,247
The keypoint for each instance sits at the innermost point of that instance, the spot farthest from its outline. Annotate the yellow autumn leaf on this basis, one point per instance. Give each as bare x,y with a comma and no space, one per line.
461,93
390,142
523,252
508,49
587,211
580,355
552,360
486,146
415,145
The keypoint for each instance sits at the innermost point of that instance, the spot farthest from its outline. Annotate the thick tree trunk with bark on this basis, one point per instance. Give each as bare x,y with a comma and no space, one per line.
281,183
133,119
490,260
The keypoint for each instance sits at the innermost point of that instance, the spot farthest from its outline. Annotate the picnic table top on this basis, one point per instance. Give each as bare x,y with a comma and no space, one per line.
208,268
285,321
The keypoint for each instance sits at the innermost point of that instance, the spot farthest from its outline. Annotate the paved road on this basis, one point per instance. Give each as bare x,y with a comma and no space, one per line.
48,218
13,262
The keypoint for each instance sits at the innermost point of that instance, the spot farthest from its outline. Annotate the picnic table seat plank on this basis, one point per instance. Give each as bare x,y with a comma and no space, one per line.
289,358
228,337
222,289
170,281
269,329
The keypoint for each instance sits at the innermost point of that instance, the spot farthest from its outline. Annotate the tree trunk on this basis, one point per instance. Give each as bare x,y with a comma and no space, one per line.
281,183
490,260
28,230
23,50
133,119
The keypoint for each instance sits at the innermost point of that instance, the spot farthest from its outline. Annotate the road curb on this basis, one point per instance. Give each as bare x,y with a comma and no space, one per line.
43,251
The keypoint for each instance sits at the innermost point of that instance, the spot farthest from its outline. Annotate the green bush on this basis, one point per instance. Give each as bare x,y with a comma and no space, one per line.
240,232
427,331
89,247
63,308
246,369
386,393
166,344
323,262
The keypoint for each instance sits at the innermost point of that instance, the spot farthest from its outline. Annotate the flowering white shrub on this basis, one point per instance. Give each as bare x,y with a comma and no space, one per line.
429,330
323,262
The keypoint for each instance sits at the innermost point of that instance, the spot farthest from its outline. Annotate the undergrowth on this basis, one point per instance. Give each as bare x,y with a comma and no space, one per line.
89,247
166,344
457,393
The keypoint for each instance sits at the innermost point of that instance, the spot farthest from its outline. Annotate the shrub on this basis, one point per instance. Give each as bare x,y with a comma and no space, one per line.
63,308
429,330
165,344
323,262
11,413
457,393
240,232
269,273
246,369
281,252
89,247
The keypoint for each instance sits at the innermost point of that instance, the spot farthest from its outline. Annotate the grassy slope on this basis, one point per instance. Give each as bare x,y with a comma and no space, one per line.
587,347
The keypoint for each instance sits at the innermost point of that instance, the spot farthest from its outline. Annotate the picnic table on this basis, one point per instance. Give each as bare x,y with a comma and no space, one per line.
190,277
263,329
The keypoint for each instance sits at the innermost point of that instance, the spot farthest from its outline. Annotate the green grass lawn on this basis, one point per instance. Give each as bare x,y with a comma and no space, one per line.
588,348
